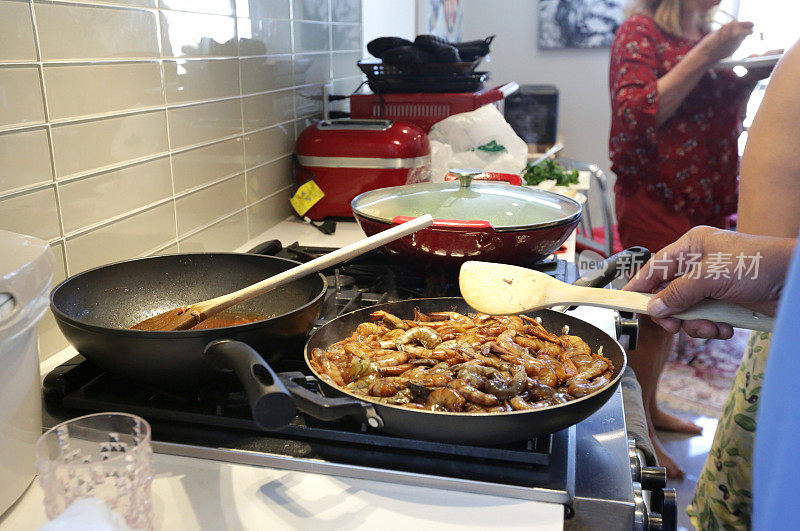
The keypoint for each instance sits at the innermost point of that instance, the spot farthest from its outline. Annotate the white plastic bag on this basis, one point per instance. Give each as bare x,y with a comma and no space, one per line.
480,139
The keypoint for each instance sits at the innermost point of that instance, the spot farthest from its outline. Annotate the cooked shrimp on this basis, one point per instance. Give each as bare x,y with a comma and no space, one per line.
596,368
395,370
382,388
390,320
420,317
447,399
450,316
579,387
506,390
519,404
474,395
370,329
390,358
447,361
427,336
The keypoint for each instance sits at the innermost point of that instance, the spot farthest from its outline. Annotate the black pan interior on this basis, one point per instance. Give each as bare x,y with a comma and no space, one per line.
122,294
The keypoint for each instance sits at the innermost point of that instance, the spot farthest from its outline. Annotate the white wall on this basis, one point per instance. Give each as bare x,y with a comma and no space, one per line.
580,75
388,18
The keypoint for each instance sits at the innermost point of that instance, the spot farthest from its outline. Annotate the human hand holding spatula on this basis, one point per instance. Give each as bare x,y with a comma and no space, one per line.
501,289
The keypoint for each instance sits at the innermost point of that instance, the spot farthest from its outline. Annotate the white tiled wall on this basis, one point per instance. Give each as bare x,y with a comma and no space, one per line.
138,127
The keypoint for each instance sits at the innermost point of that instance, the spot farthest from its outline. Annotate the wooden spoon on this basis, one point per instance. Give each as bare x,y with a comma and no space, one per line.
186,317
500,289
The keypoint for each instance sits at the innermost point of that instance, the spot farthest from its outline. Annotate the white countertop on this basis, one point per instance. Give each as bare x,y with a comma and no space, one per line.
193,494
190,493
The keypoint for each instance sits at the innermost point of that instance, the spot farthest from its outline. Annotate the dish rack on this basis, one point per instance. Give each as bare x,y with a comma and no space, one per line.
425,109
377,68
422,77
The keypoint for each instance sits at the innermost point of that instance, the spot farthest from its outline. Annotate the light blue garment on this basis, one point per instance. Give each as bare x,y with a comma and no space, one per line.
776,464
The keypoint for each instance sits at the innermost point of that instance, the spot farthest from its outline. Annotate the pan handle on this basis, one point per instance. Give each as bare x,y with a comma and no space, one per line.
614,266
323,408
271,403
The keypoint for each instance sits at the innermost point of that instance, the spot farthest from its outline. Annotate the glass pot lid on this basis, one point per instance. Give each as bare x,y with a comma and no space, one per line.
505,207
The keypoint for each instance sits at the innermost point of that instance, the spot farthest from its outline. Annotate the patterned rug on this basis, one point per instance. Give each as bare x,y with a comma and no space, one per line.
697,378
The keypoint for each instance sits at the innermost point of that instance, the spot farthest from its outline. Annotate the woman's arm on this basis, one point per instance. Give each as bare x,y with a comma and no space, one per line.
770,174
675,85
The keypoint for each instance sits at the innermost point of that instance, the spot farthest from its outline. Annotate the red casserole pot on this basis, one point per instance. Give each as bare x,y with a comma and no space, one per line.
474,219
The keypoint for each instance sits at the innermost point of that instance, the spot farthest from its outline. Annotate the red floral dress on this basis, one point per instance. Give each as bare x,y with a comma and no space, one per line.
690,164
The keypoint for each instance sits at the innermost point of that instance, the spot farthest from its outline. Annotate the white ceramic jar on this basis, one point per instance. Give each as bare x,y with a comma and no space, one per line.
26,271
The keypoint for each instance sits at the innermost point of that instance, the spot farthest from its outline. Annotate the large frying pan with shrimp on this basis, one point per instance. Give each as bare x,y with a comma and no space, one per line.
461,428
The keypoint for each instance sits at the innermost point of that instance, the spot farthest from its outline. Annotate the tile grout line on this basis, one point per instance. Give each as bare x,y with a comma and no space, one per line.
28,189
149,59
50,144
294,81
209,184
48,125
114,219
330,44
163,78
123,113
140,161
243,151
198,230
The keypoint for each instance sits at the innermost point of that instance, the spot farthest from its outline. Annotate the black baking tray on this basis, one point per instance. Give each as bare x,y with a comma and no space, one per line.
418,83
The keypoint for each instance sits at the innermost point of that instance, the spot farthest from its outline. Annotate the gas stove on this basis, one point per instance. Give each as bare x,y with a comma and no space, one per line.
587,468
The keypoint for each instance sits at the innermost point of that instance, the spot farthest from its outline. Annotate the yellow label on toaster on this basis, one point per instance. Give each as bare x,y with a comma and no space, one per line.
306,197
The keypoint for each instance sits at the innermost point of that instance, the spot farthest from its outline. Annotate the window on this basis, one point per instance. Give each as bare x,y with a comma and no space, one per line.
774,28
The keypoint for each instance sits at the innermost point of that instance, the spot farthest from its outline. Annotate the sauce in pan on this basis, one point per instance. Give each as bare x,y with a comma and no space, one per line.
227,318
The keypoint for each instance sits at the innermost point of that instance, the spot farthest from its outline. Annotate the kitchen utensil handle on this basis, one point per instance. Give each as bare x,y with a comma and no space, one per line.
727,312
475,224
321,407
493,94
339,255
492,176
611,269
613,266
547,154
709,309
270,402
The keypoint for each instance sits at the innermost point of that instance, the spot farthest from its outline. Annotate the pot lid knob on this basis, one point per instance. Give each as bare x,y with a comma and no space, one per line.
465,175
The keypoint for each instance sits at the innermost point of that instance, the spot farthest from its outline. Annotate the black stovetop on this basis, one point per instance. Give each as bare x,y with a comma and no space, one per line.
219,417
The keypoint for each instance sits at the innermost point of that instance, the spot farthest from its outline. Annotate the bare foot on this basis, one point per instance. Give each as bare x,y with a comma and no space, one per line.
664,459
668,422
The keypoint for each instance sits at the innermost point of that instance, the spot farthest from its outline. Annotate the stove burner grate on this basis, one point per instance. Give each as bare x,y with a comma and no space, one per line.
84,387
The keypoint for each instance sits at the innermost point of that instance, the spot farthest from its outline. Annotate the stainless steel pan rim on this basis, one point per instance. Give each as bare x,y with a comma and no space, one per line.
557,222
164,333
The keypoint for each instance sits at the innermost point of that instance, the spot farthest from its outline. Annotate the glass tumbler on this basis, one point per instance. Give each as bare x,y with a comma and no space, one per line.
104,455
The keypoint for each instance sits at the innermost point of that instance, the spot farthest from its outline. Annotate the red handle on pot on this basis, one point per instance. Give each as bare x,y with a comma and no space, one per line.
510,178
476,224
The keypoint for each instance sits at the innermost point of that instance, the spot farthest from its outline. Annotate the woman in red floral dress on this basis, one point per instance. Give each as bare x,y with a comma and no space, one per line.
674,148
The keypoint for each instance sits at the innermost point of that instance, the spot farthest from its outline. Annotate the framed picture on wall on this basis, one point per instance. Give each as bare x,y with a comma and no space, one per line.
443,19
579,23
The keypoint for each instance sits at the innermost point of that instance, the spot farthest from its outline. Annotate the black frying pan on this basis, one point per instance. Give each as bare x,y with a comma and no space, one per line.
464,428
461,428
96,308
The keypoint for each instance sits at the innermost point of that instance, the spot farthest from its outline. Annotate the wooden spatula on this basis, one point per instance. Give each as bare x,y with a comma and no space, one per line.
186,317
500,289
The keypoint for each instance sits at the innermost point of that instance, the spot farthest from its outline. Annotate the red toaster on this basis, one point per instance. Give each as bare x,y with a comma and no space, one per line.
347,157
